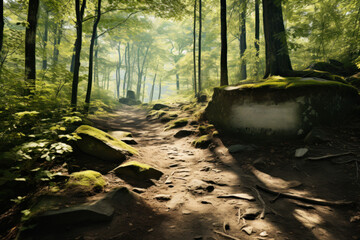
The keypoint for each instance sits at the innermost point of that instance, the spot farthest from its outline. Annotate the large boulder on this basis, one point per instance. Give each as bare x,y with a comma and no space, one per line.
101,145
280,106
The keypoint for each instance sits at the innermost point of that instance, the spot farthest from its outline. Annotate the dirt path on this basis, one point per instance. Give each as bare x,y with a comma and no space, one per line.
194,178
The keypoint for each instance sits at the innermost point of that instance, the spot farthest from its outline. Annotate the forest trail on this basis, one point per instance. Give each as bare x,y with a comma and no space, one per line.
194,178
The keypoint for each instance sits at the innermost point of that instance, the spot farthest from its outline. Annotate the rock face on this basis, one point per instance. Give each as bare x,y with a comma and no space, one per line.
137,171
285,107
101,145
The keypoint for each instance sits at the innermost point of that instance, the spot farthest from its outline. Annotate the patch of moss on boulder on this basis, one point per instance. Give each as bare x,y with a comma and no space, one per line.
182,122
203,141
102,145
278,106
88,181
137,171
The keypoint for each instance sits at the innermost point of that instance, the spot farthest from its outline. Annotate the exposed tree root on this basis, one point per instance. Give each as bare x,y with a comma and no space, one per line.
316,201
330,156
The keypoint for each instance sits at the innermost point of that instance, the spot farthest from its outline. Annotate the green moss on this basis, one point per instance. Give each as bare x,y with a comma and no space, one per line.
87,181
203,141
177,123
104,137
278,82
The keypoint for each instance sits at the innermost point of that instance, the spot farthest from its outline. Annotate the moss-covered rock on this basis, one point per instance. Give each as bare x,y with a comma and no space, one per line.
88,181
203,141
182,122
159,106
335,67
101,145
280,106
137,171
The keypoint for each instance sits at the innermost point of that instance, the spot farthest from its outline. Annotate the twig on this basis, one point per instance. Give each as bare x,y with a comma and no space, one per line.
226,235
329,156
317,201
262,215
276,198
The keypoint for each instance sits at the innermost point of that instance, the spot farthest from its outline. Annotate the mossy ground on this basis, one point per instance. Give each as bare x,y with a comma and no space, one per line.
104,137
177,123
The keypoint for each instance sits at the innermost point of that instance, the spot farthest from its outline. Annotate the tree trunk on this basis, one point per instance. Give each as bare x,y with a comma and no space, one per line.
129,68
223,63
30,46
143,93
45,40
257,36
118,73
277,55
152,89
177,82
72,66
1,26
96,60
126,68
57,40
91,54
141,71
242,39
79,19
159,90
200,29
194,49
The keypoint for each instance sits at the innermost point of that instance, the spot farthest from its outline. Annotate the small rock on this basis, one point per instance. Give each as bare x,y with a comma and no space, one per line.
198,238
199,186
159,106
205,202
137,171
184,133
129,140
240,148
168,181
163,197
205,169
248,230
186,212
216,170
251,213
239,196
174,165
300,152
139,190
264,234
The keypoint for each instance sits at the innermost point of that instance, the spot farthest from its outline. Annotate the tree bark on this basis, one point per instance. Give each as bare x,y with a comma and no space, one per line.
79,19
30,46
96,65
200,29
257,36
91,53
141,71
243,74
143,93
1,26
194,49
277,54
224,79
45,39
126,68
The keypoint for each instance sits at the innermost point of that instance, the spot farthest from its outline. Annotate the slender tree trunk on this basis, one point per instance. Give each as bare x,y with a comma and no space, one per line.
143,93
153,85
126,68
1,26
57,40
194,49
242,39
200,30
91,54
72,66
118,73
257,36
141,70
277,55
45,40
129,68
79,19
177,82
159,89
30,46
224,79
96,60
108,80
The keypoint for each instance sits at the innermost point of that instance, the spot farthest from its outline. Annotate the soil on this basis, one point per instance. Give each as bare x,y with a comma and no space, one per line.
196,212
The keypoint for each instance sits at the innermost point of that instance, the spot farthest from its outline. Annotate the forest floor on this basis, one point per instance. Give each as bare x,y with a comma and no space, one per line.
194,209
